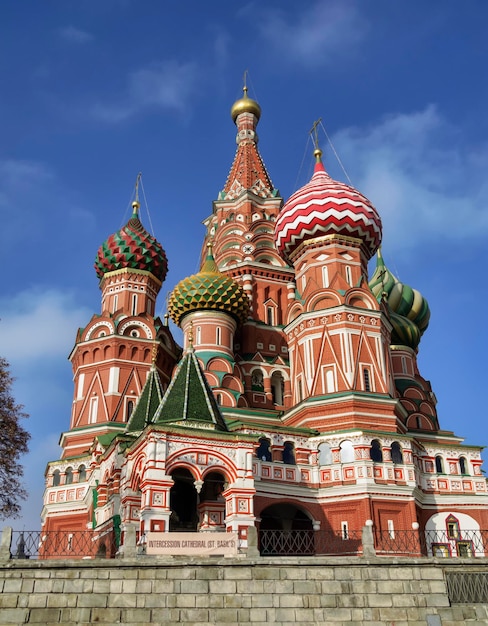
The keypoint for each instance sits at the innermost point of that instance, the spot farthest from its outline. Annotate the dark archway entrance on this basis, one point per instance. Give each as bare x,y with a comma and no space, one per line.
213,486
183,501
285,530
212,503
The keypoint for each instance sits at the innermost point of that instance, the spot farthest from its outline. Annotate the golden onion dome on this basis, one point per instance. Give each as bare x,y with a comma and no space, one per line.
245,105
209,290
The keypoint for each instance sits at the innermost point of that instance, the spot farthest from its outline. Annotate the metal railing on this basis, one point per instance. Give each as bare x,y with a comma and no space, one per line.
467,587
62,544
309,542
438,543
430,543
399,543
460,543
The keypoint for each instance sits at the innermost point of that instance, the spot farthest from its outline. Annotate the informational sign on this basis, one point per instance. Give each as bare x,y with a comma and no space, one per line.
194,544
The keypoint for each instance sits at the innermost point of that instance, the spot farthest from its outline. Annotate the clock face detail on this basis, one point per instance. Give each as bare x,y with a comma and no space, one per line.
247,248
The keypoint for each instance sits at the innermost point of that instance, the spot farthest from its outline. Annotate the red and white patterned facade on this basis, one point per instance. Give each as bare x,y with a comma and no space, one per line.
329,423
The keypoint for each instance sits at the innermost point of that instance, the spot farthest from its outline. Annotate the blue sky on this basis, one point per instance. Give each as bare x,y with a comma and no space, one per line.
94,92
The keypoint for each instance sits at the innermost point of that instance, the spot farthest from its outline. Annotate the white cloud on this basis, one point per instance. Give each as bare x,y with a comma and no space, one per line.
427,185
167,85
24,172
37,332
38,325
20,178
71,34
320,34
221,49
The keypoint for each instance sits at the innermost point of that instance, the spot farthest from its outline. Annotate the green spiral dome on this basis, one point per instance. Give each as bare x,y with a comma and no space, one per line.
401,298
209,290
404,332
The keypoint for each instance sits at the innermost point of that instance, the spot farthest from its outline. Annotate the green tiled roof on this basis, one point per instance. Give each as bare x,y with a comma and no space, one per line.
106,439
189,399
148,403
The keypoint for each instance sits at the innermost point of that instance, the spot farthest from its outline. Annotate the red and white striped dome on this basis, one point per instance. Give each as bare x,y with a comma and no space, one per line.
324,207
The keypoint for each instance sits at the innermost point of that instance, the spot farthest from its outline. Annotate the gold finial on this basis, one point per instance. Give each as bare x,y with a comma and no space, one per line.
315,138
244,80
209,264
245,104
154,355
136,204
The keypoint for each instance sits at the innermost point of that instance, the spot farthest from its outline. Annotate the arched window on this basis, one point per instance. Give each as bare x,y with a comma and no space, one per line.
329,380
69,476
56,478
277,387
300,390
439,465
270,315
463,465
346,451
289,453
257,380
81,473
213,487
366,379
130,408
93,409
325,454
452,527
263,451
396,453
325,276
375,452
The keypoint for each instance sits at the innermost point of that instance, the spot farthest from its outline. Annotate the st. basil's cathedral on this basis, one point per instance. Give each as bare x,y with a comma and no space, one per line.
295,402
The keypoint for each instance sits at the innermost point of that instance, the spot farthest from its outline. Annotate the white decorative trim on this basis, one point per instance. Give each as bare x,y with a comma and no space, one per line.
107,324
136,323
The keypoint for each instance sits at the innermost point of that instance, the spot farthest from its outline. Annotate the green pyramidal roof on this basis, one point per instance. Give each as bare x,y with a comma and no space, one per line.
189,400
147,405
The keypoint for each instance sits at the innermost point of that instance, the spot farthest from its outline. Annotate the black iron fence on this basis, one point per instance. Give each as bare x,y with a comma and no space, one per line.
438,543
62,544
430,543
467,587
309,542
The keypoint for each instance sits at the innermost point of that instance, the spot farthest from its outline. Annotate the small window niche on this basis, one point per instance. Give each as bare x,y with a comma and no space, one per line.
452,527
396,453
376,452
263,451
288,453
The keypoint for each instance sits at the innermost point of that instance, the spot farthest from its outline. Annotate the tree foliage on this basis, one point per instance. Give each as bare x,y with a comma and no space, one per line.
13,443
